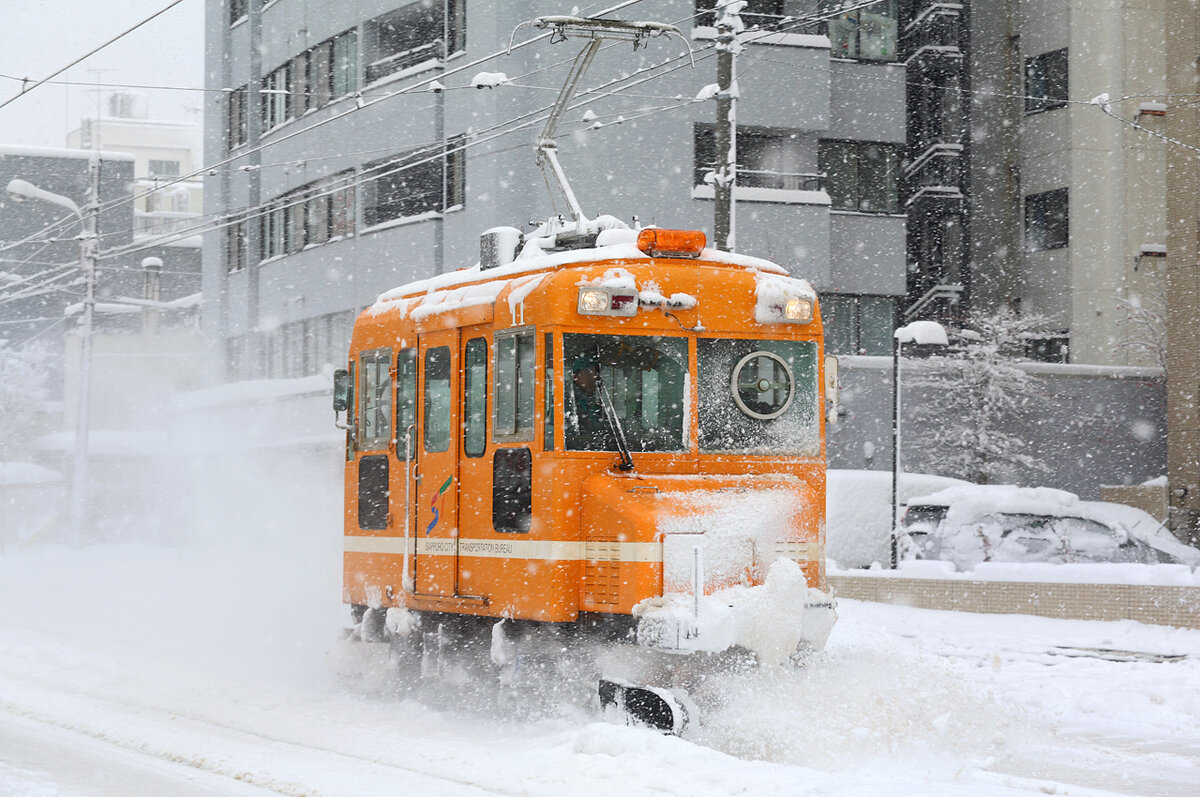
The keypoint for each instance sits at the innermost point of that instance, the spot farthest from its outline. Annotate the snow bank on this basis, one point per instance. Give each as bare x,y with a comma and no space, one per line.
858,512
21,473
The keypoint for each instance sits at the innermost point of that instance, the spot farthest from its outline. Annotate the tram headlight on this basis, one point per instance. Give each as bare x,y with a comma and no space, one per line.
603,301
593,301
798,310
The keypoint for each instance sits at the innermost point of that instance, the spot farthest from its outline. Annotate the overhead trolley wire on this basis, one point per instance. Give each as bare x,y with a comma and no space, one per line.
27,89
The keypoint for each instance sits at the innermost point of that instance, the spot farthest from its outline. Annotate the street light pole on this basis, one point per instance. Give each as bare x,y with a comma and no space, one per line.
89,249
895,503
929,333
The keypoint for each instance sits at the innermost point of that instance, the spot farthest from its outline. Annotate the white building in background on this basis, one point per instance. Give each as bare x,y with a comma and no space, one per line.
163,152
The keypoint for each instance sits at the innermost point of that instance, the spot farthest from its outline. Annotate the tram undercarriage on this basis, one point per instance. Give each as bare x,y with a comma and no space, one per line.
646,669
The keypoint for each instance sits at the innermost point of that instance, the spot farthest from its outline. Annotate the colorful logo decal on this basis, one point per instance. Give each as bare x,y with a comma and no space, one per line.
436,504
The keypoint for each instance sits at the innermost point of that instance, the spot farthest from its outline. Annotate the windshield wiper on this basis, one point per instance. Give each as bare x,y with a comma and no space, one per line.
614,424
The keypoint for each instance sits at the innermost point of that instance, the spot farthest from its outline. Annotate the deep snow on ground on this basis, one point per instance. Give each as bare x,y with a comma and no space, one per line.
205,667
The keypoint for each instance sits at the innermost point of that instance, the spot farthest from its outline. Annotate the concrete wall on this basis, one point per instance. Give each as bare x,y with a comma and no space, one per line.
1093,427
1177,606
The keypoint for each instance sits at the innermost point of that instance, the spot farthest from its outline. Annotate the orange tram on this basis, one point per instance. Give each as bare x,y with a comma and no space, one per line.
618,433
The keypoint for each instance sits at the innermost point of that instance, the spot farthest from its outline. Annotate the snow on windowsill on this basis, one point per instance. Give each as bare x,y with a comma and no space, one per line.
782,196
404,221
812,40
59,152
409,71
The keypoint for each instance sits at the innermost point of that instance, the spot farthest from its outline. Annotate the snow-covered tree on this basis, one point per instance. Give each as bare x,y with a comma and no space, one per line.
973,396
1143,325
23,376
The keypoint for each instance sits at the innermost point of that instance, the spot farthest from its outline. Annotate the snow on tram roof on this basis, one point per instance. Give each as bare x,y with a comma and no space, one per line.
525,265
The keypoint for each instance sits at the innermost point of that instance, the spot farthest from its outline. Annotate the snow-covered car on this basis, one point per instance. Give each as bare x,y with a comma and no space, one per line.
966,525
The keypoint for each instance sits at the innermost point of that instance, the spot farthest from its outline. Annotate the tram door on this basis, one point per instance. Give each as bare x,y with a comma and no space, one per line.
438,479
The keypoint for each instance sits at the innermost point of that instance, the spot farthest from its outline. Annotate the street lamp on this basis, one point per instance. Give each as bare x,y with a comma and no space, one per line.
925,333
19,191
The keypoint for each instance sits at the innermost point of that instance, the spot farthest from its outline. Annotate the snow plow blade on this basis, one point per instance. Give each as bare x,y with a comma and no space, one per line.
643,705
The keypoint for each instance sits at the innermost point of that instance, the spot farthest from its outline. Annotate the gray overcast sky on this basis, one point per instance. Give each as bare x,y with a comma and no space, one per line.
44,35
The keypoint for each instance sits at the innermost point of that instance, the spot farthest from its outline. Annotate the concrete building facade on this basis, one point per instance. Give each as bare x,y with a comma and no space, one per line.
353,152
1062,210
1183,272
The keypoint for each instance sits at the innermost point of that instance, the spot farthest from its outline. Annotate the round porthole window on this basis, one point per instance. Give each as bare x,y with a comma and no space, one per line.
762,385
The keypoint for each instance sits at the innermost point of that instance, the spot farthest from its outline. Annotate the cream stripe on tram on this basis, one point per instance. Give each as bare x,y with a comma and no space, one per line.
547,550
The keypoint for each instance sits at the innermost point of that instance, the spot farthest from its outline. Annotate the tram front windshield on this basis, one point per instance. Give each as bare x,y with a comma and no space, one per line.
645,380
756,397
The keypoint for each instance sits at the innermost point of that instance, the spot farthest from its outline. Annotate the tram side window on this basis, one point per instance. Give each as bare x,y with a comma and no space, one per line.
437,409
375,400
512,490
475,399
513,389
548,408
351,439
406,393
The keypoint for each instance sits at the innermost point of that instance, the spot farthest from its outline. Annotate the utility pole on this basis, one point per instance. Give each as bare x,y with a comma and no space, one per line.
89,246
729,24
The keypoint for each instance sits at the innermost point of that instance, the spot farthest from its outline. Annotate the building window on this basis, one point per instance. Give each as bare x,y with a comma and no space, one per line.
1046,81
868,34
344,66
766,158
275,97
317,213
238,10
237,253
1047,220
858,324
311,80
416,182
238,120
755,14
160,168
412,35
861,175
1050,348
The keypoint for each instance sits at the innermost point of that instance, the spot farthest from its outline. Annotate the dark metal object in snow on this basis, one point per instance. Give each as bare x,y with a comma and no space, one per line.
641,705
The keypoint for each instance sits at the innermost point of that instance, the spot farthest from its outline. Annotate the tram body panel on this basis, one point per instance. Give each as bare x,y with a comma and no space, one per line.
591,542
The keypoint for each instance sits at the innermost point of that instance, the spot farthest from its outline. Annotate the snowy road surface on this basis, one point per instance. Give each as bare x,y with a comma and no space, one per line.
134,670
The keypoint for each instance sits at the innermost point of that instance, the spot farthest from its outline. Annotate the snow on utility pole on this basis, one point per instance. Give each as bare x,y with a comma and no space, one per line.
729,25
